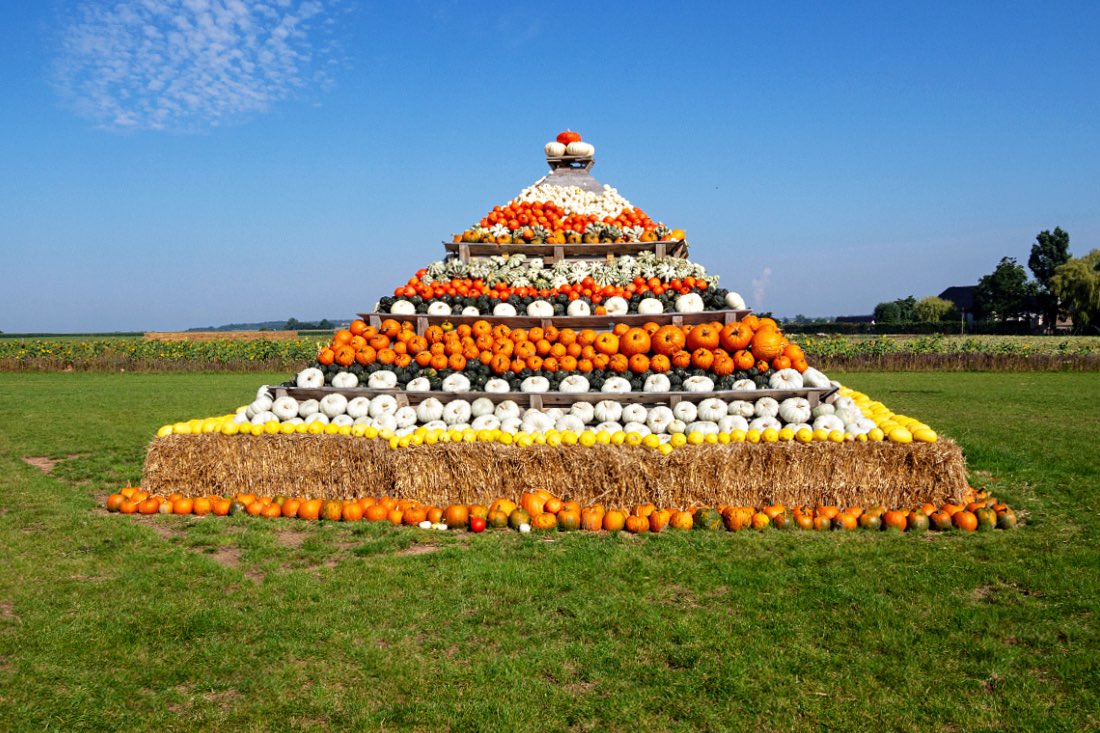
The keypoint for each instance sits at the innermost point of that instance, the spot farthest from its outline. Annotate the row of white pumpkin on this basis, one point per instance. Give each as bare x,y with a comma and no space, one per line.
712,415
615,306
574,200
457,383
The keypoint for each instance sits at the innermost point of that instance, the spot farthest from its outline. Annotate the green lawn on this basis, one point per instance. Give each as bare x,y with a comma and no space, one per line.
181,623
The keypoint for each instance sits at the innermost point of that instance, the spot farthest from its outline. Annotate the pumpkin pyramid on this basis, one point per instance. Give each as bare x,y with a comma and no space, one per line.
564,337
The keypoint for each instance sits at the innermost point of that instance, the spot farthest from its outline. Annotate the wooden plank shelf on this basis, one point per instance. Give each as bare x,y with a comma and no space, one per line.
815,396
554,252
598,323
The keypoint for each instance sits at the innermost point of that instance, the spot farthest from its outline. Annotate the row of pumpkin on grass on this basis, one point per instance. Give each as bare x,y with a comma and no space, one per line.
720,349
541,510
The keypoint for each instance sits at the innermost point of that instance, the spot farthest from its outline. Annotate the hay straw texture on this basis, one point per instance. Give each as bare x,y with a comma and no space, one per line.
333,466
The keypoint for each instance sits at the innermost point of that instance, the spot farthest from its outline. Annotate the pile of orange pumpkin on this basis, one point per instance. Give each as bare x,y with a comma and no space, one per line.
712,347
542,510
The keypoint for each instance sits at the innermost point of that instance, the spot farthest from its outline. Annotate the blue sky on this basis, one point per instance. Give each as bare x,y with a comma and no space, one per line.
168,164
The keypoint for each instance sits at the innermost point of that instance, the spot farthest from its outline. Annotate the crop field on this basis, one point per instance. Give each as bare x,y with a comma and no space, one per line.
878,353
165,623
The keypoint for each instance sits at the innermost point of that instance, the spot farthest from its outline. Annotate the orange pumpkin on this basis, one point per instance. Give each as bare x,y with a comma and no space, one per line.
667,340
634,341
736,336
767,344
703,336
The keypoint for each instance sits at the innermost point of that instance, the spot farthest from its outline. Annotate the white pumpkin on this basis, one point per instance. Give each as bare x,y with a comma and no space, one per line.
439,308
634,413
385,422
861,426
540,309
705,427
365,421
486,422
824,409
608,411
383,404
729,423
637,427
504,310
569,422
841,402
334,404
511,425
650,307
429,410
686,411
574,383
699,384
419,384
677,426
744,408
308,407
785,379
497,386
343,421
317,417
382,379
403,308
796,426
584,410
764,422
258,405
482,406
457,382
815,379
580,149
689,303
436,425
345,380
554,149
712,409
766,407
734,301
616,385
535,385
403,431
611,427
536,421
264,417
794,410
744,385
405,416
660,417
456,412
506,409
358,407
848,414
285,408
294,421
578,308
616,306
657,383
310,378
554,413
829,423
471,310
263,391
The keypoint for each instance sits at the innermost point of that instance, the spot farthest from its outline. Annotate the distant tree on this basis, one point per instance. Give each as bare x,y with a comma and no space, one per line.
933,309
293,324
1077,284
1050,251
1004,293
902,310
325,324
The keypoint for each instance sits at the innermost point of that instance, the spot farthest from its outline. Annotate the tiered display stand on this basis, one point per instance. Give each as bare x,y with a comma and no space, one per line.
337,466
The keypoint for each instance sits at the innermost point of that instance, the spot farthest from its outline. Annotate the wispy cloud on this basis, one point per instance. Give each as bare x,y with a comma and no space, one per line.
759,287
189,64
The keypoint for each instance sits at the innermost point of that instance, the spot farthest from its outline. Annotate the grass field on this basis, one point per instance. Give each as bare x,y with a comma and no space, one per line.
184,623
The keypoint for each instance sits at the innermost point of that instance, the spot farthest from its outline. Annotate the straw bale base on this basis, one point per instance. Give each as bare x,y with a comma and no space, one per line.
333,466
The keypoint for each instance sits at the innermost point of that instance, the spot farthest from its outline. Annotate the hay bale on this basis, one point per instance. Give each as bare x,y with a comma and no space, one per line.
333,466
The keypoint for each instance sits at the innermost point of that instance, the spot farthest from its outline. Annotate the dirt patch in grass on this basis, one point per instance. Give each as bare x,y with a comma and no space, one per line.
46,464
289,538
419,550
7,611
230,557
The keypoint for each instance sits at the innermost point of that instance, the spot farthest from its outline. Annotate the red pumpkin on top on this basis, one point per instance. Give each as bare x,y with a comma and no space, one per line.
569,137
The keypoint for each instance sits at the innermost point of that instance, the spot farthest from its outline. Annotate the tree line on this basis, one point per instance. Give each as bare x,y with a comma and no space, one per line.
1062,285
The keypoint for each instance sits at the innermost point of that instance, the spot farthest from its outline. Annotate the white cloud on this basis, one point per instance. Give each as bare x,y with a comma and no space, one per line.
189,64
759,287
